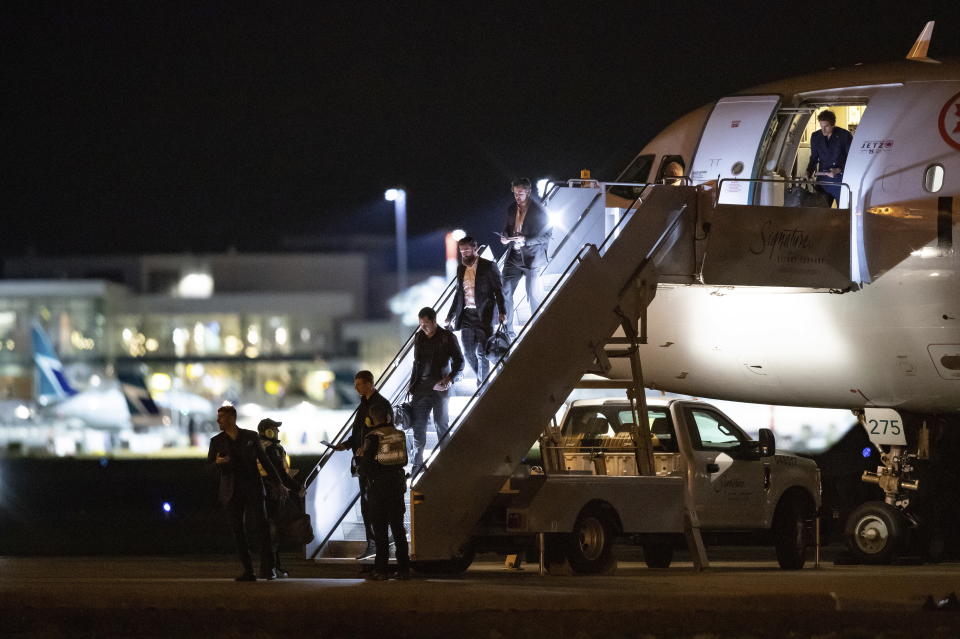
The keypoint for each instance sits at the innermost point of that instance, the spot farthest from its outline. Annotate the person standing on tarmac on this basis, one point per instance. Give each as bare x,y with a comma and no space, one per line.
437,364
479,294
270,440
386,486
234,452
369,396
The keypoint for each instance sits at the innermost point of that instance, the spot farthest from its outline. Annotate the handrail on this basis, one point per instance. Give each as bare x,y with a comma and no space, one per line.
500,362
388,371
393,366
575,261
786,180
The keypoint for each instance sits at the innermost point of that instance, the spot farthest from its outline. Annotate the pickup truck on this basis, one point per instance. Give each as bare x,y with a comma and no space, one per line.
708,473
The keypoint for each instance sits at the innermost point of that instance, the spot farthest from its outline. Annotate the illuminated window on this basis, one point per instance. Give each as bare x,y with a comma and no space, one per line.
933,178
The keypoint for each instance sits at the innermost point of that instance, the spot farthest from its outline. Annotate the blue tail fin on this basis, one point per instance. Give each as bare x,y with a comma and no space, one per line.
51,381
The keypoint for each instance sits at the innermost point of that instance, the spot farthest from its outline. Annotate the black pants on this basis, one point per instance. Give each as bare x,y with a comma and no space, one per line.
425,402
365,511
248,506
512,273
386,513
474,334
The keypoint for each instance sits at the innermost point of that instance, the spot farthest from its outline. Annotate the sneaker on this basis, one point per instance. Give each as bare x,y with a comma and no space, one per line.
282,573
247,576
376,576
268,575
401,576
369,553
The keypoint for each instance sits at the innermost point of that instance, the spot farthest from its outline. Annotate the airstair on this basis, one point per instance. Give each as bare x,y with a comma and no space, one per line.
600,278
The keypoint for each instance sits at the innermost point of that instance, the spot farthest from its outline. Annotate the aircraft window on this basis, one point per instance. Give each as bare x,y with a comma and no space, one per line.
637,172
671,166
933,178
714,432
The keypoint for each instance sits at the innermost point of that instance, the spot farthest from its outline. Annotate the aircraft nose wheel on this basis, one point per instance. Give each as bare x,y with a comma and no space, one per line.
872,535
875,532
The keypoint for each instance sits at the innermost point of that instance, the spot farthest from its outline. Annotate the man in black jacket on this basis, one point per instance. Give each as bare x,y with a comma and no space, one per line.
437,363
234,452
526,235
369,396
479,292
270,440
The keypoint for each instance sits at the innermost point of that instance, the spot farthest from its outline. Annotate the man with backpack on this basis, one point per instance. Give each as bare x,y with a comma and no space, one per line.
270,440
369,396
380,462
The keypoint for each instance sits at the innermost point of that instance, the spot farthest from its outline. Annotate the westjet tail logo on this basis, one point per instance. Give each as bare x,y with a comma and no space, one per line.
50,376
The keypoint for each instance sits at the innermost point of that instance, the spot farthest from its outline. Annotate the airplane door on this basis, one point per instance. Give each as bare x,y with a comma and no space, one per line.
731,143
727,486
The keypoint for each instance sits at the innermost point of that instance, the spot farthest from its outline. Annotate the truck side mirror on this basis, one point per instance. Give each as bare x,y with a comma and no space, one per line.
768,442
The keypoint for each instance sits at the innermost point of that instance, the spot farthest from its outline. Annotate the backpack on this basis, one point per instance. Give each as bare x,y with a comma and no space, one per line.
391,446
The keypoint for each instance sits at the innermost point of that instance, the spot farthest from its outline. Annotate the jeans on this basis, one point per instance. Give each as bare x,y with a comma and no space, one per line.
423,403
474,335
511,277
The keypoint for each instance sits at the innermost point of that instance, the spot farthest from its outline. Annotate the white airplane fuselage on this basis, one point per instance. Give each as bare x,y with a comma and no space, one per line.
893,338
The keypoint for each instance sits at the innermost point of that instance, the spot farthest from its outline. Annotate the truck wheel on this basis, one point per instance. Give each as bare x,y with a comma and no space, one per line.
875,532
453,566
657,554
590,545
790,532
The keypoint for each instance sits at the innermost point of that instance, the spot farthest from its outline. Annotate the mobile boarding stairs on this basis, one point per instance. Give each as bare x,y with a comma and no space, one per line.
612,243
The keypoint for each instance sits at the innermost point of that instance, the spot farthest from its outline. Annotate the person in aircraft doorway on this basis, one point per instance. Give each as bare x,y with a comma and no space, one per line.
526,235
479,290
828,154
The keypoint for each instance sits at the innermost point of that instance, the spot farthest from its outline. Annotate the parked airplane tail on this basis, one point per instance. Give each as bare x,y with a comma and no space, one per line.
143,410
51,382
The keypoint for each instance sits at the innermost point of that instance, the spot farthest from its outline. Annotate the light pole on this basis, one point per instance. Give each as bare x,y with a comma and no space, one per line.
399,199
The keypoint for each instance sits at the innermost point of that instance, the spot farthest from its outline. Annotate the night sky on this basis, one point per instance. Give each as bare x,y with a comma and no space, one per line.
142,126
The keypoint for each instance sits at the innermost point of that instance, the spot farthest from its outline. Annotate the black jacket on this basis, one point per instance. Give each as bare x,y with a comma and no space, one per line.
278,457
434,358
355,440
242,472
536,231
487,293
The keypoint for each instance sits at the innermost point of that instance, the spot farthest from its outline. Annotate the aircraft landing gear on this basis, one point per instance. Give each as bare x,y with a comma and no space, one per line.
875,533
878,532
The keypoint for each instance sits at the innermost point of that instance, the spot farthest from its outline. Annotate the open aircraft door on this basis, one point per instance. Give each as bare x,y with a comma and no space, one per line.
731,143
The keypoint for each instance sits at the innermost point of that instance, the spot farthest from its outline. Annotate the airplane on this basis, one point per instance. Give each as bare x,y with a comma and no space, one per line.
124,406
855,307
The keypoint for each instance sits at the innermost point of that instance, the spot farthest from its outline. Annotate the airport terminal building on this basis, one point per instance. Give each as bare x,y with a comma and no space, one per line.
271,328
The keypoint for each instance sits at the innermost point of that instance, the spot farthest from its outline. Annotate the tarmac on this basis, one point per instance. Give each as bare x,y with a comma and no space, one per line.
197,596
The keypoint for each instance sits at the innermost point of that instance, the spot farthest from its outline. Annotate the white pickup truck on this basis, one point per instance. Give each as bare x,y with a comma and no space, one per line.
585,490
